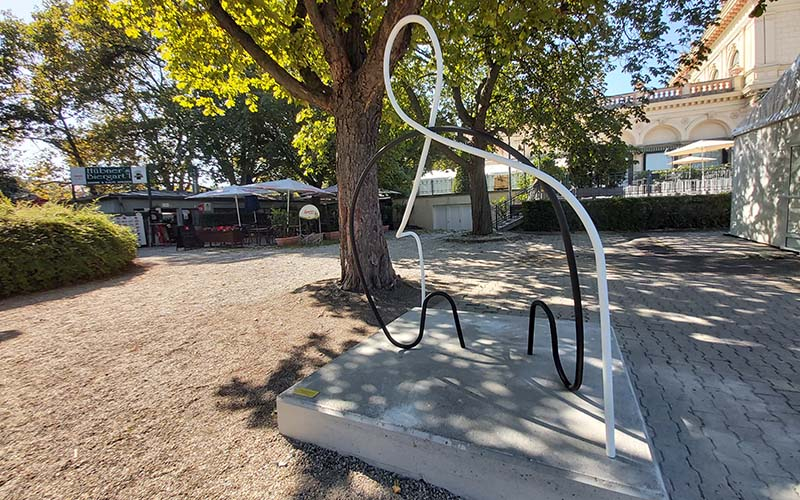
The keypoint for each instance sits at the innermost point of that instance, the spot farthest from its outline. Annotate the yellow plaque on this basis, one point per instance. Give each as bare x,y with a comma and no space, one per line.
306,392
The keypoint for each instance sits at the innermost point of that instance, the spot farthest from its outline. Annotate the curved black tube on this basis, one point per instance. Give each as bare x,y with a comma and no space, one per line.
562,221
423,317
576,384
452,307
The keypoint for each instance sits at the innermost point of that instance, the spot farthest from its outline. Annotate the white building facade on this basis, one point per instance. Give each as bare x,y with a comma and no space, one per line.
748,55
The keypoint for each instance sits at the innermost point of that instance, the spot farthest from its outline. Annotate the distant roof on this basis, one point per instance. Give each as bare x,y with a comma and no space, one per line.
497,168
138,195
781,102
489,169
439,174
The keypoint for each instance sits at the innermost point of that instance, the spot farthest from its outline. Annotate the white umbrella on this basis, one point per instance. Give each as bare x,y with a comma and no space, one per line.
704,146
287,186
228,192
702,160
689,160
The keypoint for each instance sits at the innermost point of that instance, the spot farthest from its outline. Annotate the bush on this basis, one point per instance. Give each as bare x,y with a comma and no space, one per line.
48,246
636,214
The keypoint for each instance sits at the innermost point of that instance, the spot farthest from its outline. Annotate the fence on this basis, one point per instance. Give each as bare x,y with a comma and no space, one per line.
673,182
695,181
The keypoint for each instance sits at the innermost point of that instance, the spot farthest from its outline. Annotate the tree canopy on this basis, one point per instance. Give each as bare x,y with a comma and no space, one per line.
512,66
325,54
537,69
74,81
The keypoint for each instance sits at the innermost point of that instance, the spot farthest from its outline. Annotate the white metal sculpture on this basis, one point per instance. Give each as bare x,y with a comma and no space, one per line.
594,236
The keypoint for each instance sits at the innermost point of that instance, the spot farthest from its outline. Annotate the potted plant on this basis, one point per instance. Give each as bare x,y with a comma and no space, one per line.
283,235
285,238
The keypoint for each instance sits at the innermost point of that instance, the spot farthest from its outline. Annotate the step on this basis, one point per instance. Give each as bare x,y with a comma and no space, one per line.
485,422
510,224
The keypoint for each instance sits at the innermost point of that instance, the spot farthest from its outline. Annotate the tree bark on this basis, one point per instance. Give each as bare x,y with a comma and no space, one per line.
479,194
354,98
478,190
356,140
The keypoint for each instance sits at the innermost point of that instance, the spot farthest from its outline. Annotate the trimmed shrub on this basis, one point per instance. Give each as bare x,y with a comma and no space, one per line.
636,214
49,246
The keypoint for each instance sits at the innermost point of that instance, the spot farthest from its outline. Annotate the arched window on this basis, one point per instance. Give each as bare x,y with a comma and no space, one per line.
736,62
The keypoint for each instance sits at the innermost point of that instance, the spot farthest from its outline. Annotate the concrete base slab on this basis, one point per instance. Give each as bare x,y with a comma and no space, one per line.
486,422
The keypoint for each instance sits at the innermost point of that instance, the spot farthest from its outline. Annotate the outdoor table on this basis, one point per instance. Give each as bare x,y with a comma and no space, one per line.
231,236
260,233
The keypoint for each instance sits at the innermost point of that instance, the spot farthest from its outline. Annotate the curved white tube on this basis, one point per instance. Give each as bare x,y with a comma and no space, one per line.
437,93
583,215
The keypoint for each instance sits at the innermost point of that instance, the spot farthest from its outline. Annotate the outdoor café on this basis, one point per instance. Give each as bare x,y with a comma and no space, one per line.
282,212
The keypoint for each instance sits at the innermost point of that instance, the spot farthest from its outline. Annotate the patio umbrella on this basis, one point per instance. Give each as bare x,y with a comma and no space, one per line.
230,192
287,186
689,160
704,146
702,160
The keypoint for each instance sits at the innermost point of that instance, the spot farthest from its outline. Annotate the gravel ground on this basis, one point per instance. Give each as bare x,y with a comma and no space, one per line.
162,382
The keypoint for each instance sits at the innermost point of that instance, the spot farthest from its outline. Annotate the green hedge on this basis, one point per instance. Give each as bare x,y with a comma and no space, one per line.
48,246
636,214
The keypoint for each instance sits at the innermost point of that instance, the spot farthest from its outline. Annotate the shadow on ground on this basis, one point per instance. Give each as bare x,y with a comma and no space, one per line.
9,334
260,400
71,291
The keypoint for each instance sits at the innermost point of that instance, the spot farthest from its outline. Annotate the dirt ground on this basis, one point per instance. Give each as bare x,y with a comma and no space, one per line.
161,383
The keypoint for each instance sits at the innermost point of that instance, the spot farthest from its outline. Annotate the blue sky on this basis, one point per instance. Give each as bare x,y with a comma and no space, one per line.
618,82
20,8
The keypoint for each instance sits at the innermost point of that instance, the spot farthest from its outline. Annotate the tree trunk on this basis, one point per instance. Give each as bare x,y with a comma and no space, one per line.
356,141
479,194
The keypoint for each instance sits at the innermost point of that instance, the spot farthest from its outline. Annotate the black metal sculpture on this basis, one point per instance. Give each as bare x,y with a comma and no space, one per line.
565,236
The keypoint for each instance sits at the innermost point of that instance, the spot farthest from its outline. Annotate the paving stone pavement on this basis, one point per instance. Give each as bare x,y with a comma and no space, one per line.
710,328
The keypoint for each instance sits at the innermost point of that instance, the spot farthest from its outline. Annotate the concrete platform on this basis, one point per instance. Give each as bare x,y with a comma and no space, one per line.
486,422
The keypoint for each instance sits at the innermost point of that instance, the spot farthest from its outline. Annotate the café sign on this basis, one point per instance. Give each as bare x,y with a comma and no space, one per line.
92,176
309,212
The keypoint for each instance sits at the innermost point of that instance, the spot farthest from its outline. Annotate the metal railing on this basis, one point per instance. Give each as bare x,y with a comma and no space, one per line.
686,182
673,182
509,211
668,93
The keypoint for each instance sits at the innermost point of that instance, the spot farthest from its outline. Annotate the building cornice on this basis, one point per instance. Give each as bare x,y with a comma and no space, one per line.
729,12
694,101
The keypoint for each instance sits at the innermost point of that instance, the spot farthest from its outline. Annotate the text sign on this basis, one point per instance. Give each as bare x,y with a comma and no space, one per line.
309,212
92,176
